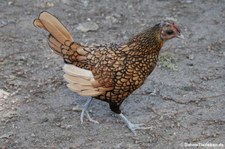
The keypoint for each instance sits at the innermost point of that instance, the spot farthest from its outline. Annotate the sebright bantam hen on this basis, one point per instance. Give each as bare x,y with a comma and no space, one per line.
108,72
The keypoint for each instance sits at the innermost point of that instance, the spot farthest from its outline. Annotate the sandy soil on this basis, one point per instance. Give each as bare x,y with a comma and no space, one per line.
187,109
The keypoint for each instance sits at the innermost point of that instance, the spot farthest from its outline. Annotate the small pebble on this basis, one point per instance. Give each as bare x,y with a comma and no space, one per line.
58,124
191,56
7,135
46,67
49,4
3,94
66,2
77,109
85,2
10,114
43,120
32,135
67,127
10,3
88,26
188,1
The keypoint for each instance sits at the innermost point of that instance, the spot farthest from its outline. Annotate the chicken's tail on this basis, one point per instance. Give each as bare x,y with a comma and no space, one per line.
82,81
59,39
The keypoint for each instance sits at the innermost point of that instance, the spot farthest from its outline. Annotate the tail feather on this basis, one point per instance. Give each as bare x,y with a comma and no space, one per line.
61,42
53,26
54,41
54,45
38,23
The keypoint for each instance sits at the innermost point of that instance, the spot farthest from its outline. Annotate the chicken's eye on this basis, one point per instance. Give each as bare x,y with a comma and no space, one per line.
169,32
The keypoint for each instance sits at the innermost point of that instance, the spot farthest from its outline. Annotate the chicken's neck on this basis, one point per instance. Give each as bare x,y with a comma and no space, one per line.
147,42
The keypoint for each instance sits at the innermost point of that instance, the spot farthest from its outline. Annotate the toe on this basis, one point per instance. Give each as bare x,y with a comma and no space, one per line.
134,127
90,119
94,121
82,117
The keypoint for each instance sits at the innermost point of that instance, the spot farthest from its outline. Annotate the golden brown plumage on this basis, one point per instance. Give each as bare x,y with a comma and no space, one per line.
108,72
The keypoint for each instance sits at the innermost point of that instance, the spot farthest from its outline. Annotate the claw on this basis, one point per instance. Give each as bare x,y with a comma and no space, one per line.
133,127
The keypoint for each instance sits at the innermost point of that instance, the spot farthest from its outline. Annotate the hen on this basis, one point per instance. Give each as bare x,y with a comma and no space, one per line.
108,72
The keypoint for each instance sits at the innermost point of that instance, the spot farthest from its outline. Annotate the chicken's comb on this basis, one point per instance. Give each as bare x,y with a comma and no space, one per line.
170,20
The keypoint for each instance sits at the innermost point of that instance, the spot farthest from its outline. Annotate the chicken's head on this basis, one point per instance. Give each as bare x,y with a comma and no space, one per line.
169,30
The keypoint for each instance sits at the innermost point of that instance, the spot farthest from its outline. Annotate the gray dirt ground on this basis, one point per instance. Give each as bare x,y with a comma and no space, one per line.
42,113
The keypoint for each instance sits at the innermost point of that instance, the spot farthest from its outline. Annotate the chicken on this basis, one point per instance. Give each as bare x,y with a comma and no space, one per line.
108,72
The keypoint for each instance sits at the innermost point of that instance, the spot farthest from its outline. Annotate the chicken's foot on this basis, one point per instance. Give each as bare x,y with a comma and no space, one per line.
85,109
132,126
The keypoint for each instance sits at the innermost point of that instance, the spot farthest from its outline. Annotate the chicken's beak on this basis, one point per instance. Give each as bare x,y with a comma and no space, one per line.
181,36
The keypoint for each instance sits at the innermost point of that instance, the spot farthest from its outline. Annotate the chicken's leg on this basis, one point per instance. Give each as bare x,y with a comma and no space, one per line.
85,109
132,126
